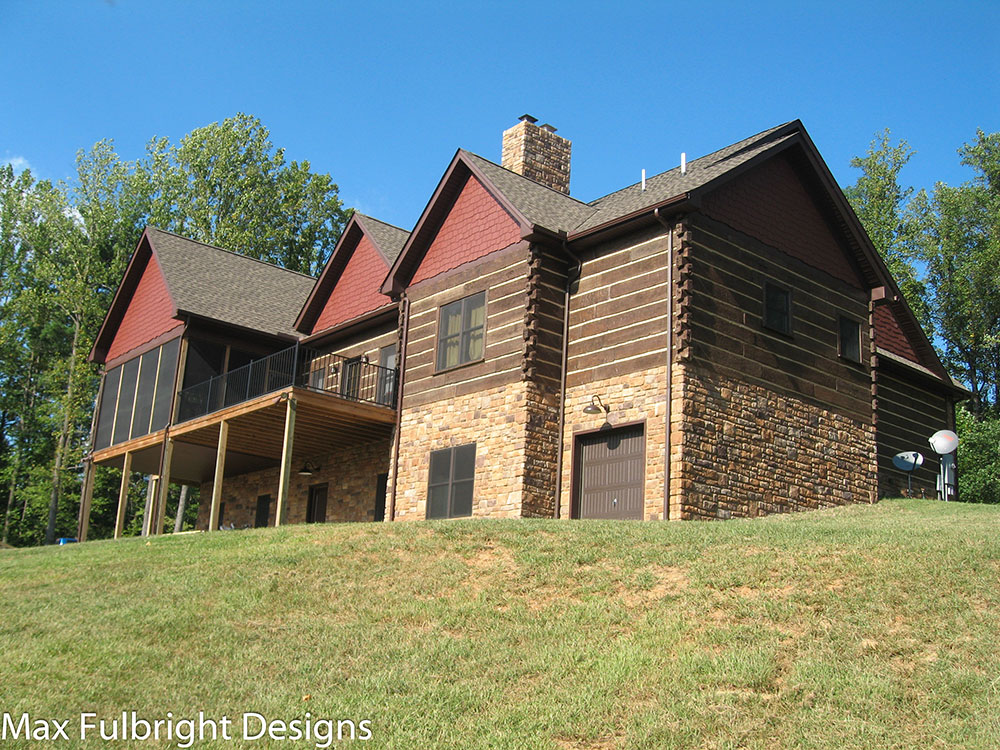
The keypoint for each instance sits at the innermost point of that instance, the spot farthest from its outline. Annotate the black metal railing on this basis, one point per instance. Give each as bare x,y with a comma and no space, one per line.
355,378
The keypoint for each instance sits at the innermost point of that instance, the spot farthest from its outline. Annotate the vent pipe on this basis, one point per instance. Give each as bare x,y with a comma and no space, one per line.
684,163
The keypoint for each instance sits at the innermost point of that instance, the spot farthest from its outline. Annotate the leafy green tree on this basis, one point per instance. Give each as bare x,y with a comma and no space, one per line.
978,457
880,203
226,184
960,247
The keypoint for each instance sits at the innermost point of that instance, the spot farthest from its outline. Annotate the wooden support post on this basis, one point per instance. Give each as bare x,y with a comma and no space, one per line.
86,497
123,495
220,468
286,462
152,483
161,503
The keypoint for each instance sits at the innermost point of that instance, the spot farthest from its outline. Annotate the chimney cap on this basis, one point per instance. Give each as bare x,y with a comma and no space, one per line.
548,127
528,118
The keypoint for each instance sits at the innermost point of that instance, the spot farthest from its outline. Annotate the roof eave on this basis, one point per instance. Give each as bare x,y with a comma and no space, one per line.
372,317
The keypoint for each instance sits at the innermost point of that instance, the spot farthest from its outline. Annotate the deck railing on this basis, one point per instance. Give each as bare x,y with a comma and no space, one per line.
355,379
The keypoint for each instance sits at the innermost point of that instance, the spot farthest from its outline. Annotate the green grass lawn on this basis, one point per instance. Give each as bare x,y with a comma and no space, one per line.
859,627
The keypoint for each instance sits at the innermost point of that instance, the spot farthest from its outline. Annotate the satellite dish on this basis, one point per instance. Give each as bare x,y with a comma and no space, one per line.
908,460
943,441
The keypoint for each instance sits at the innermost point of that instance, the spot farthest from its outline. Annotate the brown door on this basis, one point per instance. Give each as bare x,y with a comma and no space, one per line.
316,507
610,473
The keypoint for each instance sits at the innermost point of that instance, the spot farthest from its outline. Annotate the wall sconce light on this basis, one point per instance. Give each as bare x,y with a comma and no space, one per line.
364,359
596,406
308,469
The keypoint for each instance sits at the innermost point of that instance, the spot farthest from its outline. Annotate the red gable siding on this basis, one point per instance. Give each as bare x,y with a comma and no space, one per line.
149,313
475,226
770,203
357,290
890,336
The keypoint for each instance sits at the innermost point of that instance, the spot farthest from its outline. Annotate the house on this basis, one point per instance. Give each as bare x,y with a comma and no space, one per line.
719,340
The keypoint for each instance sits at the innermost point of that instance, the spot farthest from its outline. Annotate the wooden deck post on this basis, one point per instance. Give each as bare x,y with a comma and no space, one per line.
123,495
86,497
152,483
164,488
220,468
286,462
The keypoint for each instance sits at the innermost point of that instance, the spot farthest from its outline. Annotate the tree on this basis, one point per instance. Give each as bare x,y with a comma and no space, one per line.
960,246
880,203
226,185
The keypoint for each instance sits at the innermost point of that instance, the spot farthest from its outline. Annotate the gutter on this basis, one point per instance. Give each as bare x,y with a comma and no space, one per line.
670,360
571,276
401,369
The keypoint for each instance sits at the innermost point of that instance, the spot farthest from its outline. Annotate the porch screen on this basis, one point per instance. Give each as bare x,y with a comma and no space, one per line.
136,396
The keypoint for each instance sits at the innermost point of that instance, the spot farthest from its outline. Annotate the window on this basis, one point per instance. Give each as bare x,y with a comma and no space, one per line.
777,308
317,378
449,491
386,394
850,340
460,331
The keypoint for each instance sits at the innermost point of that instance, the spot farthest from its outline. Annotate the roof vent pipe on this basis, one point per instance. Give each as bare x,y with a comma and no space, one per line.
644,180
684,163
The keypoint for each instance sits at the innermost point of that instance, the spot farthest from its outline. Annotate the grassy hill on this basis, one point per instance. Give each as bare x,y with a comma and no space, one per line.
859,627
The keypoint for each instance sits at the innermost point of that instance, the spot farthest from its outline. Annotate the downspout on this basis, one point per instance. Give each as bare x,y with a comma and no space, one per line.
401,368
670,360
572,274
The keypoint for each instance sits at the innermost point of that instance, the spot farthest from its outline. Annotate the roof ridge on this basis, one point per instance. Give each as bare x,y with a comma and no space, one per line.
231,252
747,140
533,182
386,223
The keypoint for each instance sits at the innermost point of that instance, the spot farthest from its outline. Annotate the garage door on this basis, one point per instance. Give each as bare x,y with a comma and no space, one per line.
609,474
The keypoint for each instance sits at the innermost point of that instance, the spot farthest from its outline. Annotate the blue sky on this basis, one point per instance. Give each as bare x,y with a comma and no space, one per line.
381,94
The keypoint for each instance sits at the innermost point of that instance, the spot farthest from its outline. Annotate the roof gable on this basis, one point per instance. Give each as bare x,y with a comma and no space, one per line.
349,285
773,203
482,212
142,311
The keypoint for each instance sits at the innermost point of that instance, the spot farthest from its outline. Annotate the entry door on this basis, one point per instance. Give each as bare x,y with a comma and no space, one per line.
610,474
316,508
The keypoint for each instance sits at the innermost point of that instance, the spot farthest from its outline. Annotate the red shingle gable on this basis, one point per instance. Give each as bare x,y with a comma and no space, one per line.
889,335
771,203
357,290
475,226
149,313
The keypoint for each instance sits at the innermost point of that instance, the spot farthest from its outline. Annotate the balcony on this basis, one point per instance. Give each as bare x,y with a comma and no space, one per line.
355,379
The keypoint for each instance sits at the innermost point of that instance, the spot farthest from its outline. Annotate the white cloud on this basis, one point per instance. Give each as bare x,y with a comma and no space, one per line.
18,162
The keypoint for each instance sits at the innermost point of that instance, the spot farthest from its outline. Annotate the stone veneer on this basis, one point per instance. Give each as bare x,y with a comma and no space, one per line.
537,153
633,397
745,450
495,420
350,474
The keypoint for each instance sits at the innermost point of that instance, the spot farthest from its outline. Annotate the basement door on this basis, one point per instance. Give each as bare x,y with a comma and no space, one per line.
610,473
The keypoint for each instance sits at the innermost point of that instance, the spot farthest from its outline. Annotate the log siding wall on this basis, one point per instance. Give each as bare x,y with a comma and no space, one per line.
908,414
769,422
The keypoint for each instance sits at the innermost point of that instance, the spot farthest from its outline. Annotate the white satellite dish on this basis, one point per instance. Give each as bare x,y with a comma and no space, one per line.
943,441
908,460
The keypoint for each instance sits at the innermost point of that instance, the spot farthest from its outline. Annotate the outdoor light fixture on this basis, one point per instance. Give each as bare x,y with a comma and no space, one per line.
596,406
308,469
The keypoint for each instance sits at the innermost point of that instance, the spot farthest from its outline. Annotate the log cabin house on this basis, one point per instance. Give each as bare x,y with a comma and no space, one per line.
719,340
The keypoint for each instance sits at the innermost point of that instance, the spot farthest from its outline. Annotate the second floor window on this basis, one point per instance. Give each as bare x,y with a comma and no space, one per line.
777,308
461,331
850,339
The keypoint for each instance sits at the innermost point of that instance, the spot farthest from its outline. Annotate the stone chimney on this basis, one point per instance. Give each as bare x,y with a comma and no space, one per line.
537,153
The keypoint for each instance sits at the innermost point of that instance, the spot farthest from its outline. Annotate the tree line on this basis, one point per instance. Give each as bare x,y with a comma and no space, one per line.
64,248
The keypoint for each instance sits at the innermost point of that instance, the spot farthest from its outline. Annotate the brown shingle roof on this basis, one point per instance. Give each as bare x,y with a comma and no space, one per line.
207,281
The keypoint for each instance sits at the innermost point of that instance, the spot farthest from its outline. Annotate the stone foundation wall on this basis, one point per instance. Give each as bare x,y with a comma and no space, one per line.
632,397
351,476
495,420
541,451
747,450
